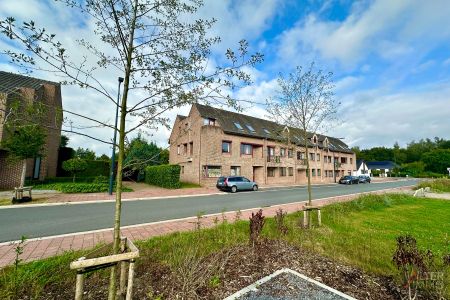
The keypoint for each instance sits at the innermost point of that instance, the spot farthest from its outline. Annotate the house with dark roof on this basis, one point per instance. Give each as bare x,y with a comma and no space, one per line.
361,168
381,167
212,142
16,87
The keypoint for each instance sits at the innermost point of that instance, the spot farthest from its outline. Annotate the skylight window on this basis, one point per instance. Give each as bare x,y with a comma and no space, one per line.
238,126
266,131
250,128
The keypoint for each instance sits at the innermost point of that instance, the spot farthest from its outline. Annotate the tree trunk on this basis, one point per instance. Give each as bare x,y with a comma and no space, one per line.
123,111
24,172
308,171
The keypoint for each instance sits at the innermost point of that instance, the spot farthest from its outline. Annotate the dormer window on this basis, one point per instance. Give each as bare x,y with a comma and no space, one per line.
314,139
238,126
325,143
209,121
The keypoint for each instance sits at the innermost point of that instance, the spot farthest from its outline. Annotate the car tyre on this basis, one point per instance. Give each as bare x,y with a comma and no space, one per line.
255,188
233,189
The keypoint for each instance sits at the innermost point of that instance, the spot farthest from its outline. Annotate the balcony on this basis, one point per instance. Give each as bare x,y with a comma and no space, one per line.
273,159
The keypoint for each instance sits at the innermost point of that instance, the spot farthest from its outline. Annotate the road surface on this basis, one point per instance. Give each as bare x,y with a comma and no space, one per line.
43,221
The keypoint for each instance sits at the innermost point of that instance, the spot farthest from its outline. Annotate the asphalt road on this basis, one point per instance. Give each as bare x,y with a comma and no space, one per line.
43,221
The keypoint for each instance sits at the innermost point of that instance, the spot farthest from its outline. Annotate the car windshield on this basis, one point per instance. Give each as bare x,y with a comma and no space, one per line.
221,179
347,177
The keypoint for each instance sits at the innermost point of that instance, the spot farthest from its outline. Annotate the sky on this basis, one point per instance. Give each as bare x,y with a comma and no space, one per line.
390,61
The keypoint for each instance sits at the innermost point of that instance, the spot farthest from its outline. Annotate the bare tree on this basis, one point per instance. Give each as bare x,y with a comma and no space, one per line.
305,101
160,50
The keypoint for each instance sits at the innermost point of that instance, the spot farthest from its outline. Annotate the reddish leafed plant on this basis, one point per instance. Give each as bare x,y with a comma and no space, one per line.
256,225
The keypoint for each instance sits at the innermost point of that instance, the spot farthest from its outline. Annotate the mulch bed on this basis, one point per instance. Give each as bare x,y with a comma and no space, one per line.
222,274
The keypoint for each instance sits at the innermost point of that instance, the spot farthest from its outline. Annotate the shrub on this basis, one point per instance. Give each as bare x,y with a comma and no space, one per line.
167,176
437,185
71,188
256,225
94,168
74,166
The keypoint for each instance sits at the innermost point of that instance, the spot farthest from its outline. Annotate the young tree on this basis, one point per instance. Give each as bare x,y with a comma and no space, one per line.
305,101
160,50
74,166
24,142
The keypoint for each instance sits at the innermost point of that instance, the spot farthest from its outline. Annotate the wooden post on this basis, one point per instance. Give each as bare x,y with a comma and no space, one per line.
130,280
123,270
79,285
305,218
319,217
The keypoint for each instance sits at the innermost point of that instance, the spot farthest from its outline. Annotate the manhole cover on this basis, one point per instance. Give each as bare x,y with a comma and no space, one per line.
287,284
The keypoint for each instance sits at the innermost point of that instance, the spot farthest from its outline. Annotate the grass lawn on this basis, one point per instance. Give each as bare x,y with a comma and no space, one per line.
361,233
188,185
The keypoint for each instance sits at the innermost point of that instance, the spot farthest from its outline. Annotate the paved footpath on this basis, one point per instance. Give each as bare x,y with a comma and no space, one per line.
40,248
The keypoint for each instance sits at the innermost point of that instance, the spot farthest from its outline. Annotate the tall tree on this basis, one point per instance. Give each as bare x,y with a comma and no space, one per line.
305,100
160,49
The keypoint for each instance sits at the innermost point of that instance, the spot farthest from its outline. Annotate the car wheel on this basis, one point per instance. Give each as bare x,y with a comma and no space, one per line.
233,189
255,187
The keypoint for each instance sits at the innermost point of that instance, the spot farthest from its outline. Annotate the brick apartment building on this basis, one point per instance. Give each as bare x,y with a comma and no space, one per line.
212,142
15,87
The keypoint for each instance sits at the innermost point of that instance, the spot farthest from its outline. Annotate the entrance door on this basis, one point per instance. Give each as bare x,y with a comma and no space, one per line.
258,175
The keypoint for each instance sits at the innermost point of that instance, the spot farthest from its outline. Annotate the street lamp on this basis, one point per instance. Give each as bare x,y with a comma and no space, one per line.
113,155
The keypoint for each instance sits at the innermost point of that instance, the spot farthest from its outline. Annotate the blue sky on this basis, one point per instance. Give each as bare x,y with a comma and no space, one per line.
390,59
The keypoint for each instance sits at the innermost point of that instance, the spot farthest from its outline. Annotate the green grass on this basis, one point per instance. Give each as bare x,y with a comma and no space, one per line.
360,233
188,185
437,185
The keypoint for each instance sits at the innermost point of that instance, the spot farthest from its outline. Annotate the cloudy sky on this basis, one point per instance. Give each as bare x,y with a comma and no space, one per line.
390,60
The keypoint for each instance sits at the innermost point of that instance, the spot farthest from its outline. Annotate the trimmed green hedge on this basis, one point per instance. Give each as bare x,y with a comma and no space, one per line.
94,168
71,188
166,176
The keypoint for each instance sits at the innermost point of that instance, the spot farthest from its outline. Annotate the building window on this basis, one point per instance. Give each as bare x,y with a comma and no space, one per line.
343,160
283,152
235,171
300,155
238,126
313,172
312,156
185,149
329,159
191,148
226,147
270,172
209,121
266,131
246,149
182,169
318,157
291,171
270,151
178,149
212,171
351,160
319,172
290,153
349,172
282,171
250,128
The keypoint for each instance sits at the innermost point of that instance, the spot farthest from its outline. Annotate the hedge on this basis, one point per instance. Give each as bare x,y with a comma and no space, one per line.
166,176
67,187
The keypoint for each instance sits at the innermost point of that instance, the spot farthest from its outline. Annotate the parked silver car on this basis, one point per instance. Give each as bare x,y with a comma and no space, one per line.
236,183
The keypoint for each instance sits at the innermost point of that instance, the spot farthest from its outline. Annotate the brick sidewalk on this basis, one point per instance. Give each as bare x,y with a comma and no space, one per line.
36,249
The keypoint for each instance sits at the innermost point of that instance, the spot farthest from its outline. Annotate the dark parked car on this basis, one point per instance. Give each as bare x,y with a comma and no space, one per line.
236,183
349,180
364,179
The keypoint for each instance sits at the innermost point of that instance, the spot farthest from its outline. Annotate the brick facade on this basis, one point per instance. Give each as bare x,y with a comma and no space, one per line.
196,145
49,94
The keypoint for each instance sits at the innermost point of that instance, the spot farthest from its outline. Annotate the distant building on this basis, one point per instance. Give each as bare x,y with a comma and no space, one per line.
24,88
211,142
361,168
383,167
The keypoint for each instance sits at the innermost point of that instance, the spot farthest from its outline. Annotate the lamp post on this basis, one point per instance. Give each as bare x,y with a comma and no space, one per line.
113,155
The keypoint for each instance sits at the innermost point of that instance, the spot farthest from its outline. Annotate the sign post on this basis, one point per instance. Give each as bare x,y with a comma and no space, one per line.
448,169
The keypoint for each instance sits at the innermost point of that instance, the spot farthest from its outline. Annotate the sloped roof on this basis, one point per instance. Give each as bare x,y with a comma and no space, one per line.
11,81
262,128
381,165
359,162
